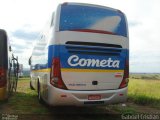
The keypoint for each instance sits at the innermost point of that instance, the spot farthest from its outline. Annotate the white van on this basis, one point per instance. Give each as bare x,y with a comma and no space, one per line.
82,57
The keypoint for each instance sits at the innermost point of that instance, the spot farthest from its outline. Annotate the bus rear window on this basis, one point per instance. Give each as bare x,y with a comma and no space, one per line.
94,19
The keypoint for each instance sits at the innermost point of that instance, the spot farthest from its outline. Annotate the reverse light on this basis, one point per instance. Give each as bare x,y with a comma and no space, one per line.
55,77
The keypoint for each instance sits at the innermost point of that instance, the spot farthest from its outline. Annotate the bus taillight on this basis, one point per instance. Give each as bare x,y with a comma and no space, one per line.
125,80
2,77
55,77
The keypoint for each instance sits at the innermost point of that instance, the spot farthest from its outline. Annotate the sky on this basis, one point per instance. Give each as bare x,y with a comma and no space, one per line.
25,19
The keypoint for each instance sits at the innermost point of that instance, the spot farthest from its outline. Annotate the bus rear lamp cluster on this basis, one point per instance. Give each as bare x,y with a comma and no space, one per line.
2,77
125,80
55,75
2,72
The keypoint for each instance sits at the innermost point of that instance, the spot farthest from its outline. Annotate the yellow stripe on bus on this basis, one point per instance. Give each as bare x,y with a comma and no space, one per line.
3,93
88,70
42,70
78,70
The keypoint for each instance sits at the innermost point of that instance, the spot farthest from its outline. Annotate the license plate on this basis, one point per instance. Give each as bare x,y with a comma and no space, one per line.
94,97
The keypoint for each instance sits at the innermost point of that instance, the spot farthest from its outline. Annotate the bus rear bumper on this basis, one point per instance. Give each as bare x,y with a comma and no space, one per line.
59,97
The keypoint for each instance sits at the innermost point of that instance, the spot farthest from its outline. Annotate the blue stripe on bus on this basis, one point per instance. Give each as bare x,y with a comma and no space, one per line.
62,52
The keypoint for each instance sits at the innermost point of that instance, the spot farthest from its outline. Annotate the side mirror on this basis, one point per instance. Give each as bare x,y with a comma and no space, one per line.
10,49
29,61
18,67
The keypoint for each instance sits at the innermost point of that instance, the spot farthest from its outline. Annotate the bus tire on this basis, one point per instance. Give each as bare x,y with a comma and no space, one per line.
39,94
31,87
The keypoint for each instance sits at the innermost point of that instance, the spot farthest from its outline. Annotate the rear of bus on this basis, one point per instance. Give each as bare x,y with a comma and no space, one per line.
90,56
3,64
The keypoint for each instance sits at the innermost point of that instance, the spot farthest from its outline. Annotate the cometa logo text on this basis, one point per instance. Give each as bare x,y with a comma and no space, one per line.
74,61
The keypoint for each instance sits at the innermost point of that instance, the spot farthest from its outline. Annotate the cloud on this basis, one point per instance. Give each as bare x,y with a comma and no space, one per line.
21,34
24,19
134,23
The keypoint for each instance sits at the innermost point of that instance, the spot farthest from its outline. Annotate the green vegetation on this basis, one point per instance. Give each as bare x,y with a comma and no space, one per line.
25,100
144,92
145,76
123,109
143,97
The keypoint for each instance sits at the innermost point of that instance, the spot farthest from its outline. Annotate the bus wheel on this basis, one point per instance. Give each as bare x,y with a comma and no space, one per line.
39,95
31,87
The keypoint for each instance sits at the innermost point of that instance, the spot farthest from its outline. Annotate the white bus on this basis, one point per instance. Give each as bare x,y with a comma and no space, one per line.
82,57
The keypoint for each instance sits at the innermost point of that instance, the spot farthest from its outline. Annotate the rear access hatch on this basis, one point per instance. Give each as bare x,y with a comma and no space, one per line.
91,66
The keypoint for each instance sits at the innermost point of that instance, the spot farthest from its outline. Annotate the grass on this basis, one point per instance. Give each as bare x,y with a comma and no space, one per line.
140,91
145,76
25,104
144,92
25,99
122,110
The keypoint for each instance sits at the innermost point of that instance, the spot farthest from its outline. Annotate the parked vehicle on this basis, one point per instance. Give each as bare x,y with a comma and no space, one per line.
82,57
8,68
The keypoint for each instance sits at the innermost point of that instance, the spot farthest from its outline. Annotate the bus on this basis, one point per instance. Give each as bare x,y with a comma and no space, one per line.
82,57
8,68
